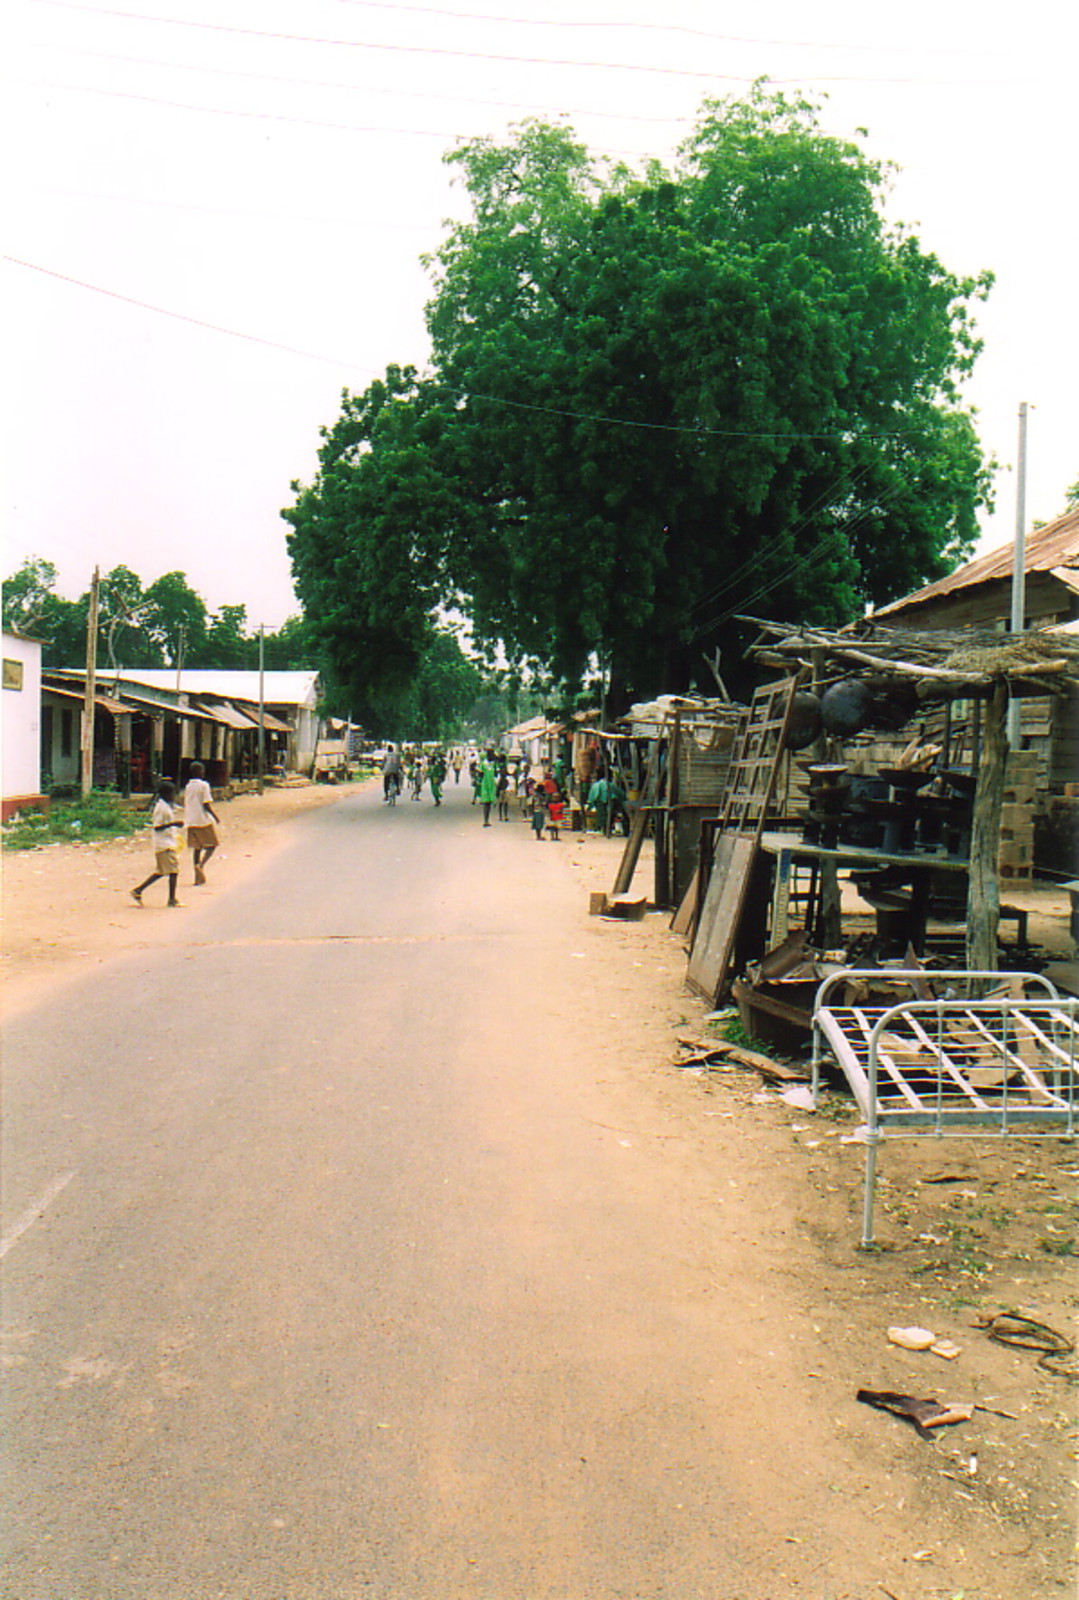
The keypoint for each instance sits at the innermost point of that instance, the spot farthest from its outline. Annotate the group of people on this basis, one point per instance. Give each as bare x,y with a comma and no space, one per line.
494,777
413,769
200,823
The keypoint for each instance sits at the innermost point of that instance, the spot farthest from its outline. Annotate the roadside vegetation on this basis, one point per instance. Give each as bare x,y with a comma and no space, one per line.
100,816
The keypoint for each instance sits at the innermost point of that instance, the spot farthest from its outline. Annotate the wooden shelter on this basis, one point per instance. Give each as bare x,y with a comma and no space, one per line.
926,668
978,595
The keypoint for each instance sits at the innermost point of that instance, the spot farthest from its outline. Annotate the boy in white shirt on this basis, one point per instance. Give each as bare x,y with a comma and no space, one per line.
166,844
199,819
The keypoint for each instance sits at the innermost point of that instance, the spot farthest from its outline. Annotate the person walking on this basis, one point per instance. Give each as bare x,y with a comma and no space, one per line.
502,789
436,773
488,786
166,834
200,819
598,800
618,812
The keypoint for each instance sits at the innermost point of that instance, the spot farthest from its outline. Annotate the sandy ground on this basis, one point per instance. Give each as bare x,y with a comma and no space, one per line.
967,1227
69,905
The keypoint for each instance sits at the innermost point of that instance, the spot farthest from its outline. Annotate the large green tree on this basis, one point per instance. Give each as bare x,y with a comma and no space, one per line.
656,400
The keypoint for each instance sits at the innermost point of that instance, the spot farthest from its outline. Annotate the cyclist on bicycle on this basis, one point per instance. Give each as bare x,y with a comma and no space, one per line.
391,772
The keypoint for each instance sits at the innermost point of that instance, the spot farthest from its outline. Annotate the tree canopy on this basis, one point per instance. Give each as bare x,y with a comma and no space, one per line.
655,400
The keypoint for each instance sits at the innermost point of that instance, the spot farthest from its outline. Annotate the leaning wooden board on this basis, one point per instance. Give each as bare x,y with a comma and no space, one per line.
735,853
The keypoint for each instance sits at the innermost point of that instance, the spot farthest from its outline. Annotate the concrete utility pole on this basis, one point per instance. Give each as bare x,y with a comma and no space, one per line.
1019,564
87,746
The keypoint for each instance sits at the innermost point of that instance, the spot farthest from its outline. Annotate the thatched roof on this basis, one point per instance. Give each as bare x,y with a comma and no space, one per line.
942,664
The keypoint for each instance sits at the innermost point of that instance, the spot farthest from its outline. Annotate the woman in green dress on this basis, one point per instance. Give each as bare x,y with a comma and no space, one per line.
488,786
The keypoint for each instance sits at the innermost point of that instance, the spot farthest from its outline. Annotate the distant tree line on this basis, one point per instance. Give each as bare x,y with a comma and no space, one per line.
165,624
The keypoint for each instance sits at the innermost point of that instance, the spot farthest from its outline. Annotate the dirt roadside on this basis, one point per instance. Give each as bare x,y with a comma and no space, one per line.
968,1227
66,906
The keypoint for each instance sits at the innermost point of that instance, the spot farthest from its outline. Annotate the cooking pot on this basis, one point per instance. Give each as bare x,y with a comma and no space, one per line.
804,721
844,708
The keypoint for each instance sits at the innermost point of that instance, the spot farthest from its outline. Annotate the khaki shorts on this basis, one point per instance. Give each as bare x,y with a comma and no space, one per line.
166,861
201,838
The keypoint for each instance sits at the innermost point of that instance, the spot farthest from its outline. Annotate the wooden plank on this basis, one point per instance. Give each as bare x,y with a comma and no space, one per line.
682,921
719,917
751,781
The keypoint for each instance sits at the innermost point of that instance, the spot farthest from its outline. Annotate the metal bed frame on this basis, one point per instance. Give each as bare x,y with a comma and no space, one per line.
993,1064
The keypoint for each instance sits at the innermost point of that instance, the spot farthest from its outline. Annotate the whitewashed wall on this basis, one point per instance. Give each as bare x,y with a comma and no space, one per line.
20,717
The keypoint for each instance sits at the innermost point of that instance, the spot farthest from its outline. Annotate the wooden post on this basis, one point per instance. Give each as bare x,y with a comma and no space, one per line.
641,817
666,844
262,709
829,916
90,698
983,895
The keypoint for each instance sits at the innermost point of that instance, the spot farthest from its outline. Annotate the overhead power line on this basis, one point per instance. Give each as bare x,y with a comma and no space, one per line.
632,25
402,49
254,116
501,58
360,88
469,394
176,316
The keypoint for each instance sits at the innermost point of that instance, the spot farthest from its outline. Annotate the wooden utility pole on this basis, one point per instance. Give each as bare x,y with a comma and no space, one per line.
262,707
87,746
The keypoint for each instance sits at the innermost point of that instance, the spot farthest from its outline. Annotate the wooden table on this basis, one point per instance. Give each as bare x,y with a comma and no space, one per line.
787,848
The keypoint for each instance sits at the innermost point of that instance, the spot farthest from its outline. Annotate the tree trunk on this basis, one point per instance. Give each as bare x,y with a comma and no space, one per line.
983,896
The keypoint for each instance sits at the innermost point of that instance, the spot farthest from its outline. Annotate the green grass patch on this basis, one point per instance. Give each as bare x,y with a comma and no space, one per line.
100,816
1058,1247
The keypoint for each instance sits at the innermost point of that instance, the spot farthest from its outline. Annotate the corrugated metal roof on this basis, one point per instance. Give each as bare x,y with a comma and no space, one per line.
533,728
281,688
1055,545
228,715
116,707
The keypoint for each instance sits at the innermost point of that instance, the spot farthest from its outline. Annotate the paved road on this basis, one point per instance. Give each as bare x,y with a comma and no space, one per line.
331,1271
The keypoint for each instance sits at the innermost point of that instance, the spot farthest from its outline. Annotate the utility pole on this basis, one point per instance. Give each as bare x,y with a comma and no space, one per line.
87,746
1019,563
262,706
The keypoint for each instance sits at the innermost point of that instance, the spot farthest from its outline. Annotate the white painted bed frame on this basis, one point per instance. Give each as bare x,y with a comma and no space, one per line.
995,1064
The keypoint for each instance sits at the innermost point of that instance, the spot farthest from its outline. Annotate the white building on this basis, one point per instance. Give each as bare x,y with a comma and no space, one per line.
20,724
291,698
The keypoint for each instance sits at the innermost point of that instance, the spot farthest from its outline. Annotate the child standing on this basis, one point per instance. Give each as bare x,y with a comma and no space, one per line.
556,811
538,804
166,832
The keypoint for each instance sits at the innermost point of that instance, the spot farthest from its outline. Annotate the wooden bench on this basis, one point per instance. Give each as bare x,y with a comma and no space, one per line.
951,1062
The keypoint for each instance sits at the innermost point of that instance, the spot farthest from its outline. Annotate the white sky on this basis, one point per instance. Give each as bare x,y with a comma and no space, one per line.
283,188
